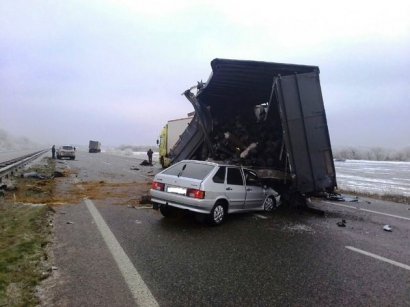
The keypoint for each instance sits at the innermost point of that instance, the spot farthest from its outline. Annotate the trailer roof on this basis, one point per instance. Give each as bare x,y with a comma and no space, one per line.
245,80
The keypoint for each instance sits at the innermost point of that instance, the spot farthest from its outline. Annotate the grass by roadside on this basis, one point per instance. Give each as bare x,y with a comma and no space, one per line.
24,236
25,231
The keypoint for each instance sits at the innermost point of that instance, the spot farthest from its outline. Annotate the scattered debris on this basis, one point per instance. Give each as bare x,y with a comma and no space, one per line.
34,175
101,182
339,197
54,268
368,202
138,222
145,199
63,212
145,163
58,174
335,197
341,224
134,168
387,228
70,222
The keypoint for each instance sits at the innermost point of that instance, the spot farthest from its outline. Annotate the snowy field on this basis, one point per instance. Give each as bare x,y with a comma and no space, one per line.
378,177
129,153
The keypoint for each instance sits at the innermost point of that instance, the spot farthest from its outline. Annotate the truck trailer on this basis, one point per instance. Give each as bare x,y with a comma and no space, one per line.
170,135
268,116
94,146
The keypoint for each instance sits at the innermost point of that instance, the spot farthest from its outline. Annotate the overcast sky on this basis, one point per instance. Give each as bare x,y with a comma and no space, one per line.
114,70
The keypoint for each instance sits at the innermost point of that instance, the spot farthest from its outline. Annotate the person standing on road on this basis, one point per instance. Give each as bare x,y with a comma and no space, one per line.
53,151
149,153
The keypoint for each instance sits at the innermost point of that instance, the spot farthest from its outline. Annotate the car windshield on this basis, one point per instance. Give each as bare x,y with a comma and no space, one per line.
68,147
189,170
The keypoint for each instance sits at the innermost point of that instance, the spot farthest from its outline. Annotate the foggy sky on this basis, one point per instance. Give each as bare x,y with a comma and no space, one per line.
71,71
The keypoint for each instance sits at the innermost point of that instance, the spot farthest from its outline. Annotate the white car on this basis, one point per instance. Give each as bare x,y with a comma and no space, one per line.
212,189
66,151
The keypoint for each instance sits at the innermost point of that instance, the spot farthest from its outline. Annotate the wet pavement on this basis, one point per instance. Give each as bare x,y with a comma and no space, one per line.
290,257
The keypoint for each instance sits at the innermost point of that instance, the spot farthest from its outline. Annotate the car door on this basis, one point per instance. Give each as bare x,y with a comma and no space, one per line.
235,188
254,192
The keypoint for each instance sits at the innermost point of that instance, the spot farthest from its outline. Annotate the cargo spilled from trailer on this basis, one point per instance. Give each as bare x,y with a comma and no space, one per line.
268,116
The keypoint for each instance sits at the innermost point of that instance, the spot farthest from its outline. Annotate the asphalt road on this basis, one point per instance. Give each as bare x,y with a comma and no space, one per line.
290,257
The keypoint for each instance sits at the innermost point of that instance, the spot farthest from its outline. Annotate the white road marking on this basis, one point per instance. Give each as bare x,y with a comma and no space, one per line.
142,295
401,265
260,216
367,210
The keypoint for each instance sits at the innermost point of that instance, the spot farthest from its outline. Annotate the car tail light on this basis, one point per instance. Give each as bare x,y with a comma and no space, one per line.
158,186
194,193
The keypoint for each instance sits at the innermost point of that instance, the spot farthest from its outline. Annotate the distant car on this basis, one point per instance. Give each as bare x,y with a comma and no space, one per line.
66,151
212,189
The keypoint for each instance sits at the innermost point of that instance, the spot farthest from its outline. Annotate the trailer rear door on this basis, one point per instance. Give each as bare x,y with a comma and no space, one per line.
305,131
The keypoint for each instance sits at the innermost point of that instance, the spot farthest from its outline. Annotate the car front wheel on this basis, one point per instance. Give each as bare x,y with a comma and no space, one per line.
269,204
218,214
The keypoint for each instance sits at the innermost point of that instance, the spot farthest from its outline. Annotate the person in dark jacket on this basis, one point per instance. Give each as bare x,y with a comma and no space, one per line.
149,153
53,151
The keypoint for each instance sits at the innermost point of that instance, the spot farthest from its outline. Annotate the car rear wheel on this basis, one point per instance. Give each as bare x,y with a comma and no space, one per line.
166,210
269,204
218,214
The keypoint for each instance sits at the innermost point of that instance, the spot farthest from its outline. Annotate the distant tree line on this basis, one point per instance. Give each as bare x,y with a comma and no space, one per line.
374,153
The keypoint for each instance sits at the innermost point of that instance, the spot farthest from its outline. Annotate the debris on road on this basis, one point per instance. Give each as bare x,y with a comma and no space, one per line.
339,197
387,228
58,174
145,199
70,222
342,223
134,168
34,175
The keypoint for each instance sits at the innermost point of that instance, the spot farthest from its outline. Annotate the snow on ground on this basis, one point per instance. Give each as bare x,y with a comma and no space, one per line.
379,177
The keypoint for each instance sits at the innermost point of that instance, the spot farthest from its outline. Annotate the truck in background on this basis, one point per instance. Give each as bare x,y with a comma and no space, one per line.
94,146
170,135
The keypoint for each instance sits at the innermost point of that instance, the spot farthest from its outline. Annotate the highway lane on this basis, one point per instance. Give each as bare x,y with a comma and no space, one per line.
286,258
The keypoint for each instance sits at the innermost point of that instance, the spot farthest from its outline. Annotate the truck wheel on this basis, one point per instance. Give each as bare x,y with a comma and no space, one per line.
217,215
166,210
269,204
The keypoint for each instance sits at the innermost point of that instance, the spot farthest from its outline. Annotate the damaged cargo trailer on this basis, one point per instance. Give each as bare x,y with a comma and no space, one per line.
268,116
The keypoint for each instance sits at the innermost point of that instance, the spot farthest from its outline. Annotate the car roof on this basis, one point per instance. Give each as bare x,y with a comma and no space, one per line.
214,163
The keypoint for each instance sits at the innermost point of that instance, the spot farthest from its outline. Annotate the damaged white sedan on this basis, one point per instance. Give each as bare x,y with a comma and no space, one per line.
212,189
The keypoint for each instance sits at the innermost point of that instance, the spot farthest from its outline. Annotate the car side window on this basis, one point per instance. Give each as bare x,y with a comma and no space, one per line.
234,176
251,178
219,177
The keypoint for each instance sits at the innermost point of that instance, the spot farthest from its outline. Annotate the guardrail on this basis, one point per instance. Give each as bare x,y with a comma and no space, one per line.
9,167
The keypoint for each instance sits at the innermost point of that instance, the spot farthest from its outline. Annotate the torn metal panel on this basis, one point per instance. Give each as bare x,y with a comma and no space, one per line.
263,115
305,132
